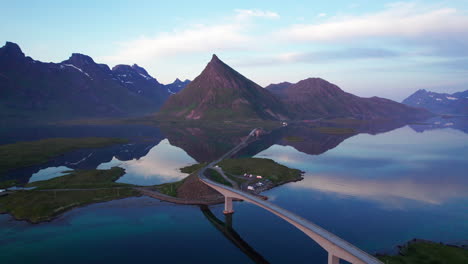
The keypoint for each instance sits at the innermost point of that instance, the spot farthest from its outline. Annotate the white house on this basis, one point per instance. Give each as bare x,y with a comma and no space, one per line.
250,188
259,177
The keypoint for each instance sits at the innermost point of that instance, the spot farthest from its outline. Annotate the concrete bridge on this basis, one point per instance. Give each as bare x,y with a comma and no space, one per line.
336,247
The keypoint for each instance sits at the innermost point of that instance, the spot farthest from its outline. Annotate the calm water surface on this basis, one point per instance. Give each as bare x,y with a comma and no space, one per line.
375,191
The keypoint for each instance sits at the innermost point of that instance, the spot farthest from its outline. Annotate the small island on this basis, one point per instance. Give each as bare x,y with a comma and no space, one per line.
50,198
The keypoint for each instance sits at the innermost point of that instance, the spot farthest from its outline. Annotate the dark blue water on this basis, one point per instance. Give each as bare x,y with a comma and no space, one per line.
375,191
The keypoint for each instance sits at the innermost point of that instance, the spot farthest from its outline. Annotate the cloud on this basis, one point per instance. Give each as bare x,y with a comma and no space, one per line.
247,13
322,15
385,191
401,20
323,56
231,35
199,38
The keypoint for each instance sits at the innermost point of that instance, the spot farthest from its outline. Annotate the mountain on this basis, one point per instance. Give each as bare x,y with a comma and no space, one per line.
221,93
314,98
278,88
176,86
440,103
138,81
75,88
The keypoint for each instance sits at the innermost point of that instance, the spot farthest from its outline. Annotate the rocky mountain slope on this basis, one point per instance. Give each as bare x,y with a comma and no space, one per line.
75,88
221,93
315,98
440,103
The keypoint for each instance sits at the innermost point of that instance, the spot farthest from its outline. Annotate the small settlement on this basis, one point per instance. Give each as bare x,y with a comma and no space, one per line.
258,184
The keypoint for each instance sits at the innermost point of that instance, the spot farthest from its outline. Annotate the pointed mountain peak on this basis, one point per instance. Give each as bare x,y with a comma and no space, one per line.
177,80
215,58
11,48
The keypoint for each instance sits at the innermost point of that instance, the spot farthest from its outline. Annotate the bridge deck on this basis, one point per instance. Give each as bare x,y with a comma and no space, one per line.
330,242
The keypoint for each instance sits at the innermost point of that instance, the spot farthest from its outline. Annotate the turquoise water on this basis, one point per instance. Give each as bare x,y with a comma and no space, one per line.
375,191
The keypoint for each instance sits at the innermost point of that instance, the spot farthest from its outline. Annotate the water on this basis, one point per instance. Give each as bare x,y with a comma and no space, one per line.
379,191
375,191
162,164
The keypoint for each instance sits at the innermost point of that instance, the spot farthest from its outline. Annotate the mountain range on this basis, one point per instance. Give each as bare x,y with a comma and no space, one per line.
440,103
220,92
81,88
75,88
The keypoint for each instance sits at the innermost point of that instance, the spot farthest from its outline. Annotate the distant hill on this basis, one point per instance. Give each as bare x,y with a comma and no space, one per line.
278,88
221,93
176,86
314,98
75,88
440,103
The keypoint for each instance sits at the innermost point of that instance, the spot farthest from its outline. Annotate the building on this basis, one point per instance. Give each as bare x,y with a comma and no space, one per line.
250,188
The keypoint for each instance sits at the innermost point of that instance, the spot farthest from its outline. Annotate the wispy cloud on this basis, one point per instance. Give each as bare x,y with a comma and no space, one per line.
199,38
322,56
401,20
246,13
230,34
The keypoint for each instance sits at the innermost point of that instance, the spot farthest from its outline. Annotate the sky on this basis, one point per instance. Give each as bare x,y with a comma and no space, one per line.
369,48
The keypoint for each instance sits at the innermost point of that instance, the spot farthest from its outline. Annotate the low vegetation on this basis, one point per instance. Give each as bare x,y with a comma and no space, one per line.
85,179
266,168
169,189
55,196
24,154
37,206
192,168
237,179
420,252
334,130
8,184
215,176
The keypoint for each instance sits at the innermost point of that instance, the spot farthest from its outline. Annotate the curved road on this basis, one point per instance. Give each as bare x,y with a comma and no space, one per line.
337,248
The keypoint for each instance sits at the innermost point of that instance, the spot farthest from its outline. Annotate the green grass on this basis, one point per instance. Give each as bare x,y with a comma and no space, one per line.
293,139
215,176
37,206
334,130
85,179
169,188
267,168
428,252
192,168
24,154
8,184
238,180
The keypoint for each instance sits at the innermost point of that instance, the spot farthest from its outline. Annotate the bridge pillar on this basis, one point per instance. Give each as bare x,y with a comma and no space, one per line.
228,205
333,259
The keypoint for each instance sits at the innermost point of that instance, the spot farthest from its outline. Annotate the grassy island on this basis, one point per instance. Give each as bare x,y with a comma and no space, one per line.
267,168
58,195
28,153
85,179
419,252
